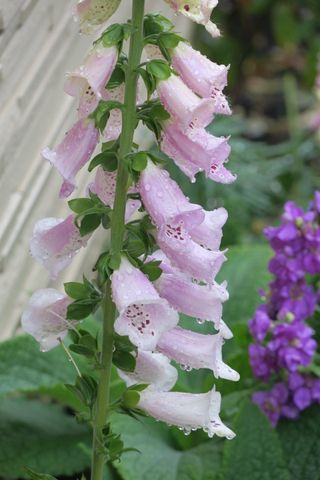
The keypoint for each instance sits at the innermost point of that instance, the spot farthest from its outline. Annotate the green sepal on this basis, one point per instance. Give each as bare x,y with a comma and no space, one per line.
124,360
155,24
159,69
107,159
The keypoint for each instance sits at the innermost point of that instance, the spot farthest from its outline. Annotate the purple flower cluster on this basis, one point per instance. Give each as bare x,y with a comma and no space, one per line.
283,342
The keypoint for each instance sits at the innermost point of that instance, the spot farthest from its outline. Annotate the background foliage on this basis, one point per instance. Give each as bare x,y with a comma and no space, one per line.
272,46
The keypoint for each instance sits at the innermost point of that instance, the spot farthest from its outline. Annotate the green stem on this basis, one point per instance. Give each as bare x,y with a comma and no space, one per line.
117,232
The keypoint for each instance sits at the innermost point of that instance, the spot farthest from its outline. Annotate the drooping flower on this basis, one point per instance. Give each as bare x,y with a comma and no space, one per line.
194,149
199,301
152,368
73,153
88,82
187,255
104,185
184,105
143,315
198,11
195,350
55,241
45,317
187,411
198,72
91,14
164,200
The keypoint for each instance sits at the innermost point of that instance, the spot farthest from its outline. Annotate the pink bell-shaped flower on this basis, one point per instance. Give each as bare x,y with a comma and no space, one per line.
88,82
193,150
198,11
195,350
55,241
73,153
208,234
164,200
143,315
203,302
188,411
152,368
184,105
104,185
187,255
197,71
91,14
45,317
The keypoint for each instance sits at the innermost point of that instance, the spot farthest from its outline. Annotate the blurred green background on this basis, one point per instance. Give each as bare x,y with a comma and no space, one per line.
273,47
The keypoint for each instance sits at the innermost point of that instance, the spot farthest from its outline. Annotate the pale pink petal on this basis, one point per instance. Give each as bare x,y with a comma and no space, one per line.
209,233
91,14
45,317
89,81
73,153
143,315
193,150
55,241
184,105
197,71
152,368
164,200
198,11
187,411
104,185
195,350
199,301
220,174
187,255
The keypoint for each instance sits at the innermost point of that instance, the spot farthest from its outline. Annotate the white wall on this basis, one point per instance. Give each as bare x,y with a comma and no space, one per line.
38,44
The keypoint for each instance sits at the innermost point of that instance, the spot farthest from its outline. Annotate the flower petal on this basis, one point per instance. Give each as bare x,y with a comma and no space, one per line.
183,104
73,153
93,13
55,241
187,255
194,350
186,411
154,369
164,200
45,317
143,315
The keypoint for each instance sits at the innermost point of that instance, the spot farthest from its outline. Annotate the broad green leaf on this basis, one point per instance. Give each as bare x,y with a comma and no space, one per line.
159,69
159,458
256,452
42,437
301,445
246,271
23,368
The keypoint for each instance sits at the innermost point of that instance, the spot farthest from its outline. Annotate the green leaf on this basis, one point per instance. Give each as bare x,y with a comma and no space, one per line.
152,269
108,160
139,161
42,437
23,368
155,23
301,445
79,205
246,271
159,69
89,224
113,35
159,459
81,309
76,290
256,452
39,476
124,360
